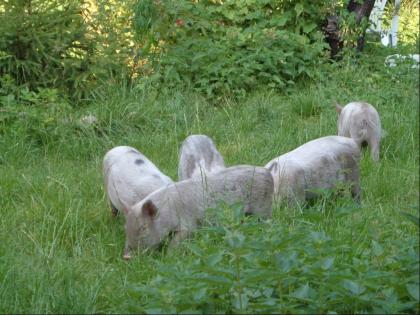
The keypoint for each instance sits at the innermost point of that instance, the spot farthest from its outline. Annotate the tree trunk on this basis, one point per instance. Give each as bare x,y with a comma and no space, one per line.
361,10
331,30
331,27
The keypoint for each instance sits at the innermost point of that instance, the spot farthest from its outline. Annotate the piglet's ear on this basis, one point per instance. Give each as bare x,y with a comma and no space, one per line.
149,209
338,108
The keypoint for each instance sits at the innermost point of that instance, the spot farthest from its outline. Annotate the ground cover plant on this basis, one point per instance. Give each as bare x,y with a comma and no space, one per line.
61,249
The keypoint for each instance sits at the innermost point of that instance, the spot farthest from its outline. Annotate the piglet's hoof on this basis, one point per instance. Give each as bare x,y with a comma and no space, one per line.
127,257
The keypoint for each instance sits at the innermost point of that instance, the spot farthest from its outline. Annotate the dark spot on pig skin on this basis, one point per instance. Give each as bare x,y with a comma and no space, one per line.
139,161
155,176
134,151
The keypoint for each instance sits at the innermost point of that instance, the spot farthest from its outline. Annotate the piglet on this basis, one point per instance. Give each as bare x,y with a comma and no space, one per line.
198,155
129,176
179,208
319,164
360,121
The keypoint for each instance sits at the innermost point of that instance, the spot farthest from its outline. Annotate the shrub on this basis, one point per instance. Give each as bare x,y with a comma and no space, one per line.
67,45
41,115
244,266
44,43
229,48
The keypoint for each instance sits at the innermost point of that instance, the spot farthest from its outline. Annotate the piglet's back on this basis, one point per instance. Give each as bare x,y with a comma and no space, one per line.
251,185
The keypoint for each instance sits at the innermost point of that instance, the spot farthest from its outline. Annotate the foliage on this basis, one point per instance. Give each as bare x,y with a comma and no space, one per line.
44,43
42,115
408,27
245,266
230,47
67,45
117,50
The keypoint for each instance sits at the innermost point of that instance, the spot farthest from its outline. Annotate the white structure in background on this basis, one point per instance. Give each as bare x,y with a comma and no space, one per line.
394,60
388,37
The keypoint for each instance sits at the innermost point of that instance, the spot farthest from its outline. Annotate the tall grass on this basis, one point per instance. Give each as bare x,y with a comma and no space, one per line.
60,249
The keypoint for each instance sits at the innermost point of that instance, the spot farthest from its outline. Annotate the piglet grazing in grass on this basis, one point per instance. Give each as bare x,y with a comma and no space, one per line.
360,121
198,155
179,208
316,165
129,177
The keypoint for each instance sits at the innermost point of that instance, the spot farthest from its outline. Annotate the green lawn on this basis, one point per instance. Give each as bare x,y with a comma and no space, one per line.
61,251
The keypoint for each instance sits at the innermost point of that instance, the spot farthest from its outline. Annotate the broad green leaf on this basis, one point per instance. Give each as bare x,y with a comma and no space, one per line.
298,9
308,27
413,289
214,259
215,279
353,287
200,294
319,236
286,261
240,301
327,263
280,20
377,249
302,292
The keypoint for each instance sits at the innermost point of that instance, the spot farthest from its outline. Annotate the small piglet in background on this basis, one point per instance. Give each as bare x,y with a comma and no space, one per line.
179,209
198,155
129,177
360,121
319,164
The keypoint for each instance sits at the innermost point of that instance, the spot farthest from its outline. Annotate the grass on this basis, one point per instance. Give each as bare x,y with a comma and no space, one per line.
60,249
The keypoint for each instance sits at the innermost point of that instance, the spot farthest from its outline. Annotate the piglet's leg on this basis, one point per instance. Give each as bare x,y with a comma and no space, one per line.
374,149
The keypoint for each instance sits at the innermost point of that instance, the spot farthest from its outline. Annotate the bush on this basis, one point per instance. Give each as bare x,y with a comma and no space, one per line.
41,115
67,45
229,48
244,266
44,43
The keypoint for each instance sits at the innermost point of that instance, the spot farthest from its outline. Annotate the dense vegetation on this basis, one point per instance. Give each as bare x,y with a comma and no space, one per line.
61,249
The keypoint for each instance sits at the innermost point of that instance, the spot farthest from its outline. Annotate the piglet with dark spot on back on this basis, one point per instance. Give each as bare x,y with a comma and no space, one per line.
129,177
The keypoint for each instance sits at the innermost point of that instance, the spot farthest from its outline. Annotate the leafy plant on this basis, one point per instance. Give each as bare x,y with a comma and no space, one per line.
229,48
41,115
44,43
241,265
73,46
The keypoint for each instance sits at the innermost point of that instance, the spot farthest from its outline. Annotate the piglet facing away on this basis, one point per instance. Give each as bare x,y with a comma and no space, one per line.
179,208
129,177
360,121
316,165
198,155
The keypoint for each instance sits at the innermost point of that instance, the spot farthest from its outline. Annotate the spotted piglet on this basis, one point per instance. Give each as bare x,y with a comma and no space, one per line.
129,177
198,155
319,164
178,209
360,121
